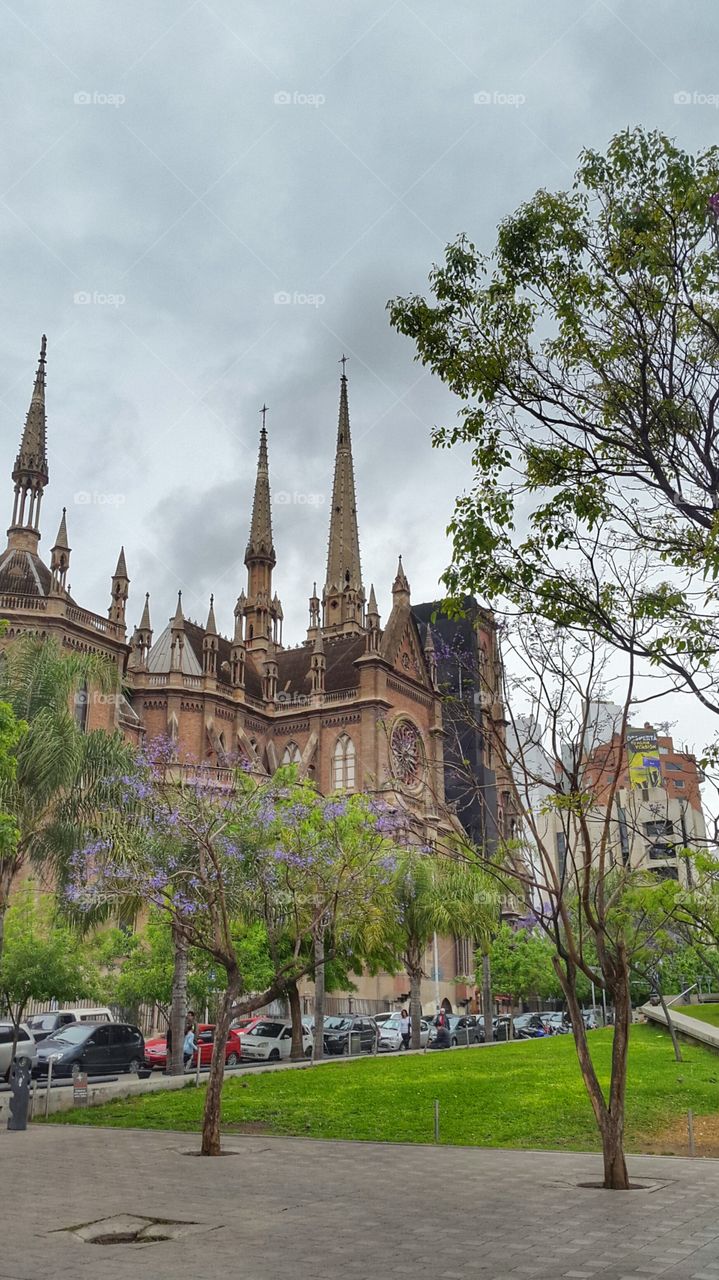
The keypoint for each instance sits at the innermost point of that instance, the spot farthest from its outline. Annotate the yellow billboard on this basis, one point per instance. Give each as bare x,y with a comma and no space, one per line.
645,768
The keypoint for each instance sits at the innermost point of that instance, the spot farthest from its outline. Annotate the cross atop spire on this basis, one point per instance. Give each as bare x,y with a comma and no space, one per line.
30,471
263,411
343,361
343,595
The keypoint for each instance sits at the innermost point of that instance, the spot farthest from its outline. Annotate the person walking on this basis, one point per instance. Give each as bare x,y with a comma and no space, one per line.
405,1028
189,1046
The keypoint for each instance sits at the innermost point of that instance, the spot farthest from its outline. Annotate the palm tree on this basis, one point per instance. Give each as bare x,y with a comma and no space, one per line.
434,893
60,781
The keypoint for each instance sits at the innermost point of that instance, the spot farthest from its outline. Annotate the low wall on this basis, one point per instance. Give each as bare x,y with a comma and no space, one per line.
685,1025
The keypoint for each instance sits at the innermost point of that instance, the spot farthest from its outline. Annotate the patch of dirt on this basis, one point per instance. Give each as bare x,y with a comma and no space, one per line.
674,1140
247,1126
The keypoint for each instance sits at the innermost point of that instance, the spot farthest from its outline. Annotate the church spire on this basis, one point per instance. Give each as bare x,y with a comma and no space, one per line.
260,556
119,591
30,471
60,556
260,545
343,595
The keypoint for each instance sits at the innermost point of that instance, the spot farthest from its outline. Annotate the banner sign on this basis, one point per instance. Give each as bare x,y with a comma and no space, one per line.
645,768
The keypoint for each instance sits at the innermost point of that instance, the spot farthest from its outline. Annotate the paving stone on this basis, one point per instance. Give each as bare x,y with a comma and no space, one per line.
297,1209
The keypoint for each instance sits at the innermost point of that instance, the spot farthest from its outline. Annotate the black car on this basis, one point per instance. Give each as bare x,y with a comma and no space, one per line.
337,1032
100,1048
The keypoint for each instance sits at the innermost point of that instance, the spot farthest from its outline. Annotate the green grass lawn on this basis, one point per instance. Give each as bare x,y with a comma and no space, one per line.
704,1012
526,1094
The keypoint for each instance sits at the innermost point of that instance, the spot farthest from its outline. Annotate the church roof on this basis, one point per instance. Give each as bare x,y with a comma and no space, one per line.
22,573
160,655
341,653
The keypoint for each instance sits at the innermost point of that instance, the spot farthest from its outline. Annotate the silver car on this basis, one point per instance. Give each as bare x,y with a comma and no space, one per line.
26,1047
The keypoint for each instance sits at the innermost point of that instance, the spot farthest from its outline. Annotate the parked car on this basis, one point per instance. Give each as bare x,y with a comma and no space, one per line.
25,1048
100,1048
271,1039
337,1031
557,1024
390,1036
46,1023
156,1048
463,1028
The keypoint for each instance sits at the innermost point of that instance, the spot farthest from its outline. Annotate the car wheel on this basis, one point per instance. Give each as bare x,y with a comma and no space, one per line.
274,1055
454,1042
135,1066
232,1060
308,1051
346,1049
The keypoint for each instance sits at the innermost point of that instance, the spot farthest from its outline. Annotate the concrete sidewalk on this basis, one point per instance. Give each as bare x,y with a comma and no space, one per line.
306,1210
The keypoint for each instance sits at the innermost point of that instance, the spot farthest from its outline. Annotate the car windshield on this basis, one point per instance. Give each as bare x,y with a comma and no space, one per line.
271,1029
390,1024
337,1024
75,1033
42,1021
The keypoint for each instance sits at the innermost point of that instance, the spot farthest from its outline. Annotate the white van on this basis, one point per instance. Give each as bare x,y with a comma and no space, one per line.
48,1022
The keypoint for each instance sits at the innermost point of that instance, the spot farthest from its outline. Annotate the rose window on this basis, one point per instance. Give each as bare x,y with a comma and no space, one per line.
407,753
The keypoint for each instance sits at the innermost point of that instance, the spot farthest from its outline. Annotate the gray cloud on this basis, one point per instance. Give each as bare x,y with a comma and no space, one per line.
177,186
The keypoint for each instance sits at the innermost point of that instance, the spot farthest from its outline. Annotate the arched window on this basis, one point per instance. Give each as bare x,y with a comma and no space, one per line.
291,754
82,698
343,764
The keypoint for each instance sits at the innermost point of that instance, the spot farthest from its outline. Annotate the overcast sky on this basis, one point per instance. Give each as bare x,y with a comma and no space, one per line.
204,205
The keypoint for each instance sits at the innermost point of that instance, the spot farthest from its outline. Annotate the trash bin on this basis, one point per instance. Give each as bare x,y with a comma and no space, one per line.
355,1042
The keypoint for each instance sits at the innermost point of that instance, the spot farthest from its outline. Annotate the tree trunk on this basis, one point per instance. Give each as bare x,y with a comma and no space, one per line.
175,1064
318,1044
487,1000
670,1027
213,1098
414,973
609,1116
293,995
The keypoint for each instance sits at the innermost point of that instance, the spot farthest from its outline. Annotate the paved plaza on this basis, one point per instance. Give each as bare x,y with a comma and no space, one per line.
295,1208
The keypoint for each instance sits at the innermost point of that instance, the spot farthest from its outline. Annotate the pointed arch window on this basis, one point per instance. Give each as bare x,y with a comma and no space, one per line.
82,698
291,754
343,764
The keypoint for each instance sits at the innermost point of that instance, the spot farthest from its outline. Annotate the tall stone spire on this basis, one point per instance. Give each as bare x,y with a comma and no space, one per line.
30,471
210,643
343,596
260,543
260,613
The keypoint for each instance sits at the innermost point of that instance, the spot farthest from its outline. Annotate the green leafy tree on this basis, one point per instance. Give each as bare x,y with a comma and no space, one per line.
583,350
43,957
52,775
435,893
208,856
522,964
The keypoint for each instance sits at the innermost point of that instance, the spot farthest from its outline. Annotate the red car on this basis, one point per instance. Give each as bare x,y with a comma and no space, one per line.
156,1049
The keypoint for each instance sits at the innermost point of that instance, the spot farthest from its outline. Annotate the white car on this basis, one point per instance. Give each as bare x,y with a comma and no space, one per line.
270,1040
26,1047
390,1036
